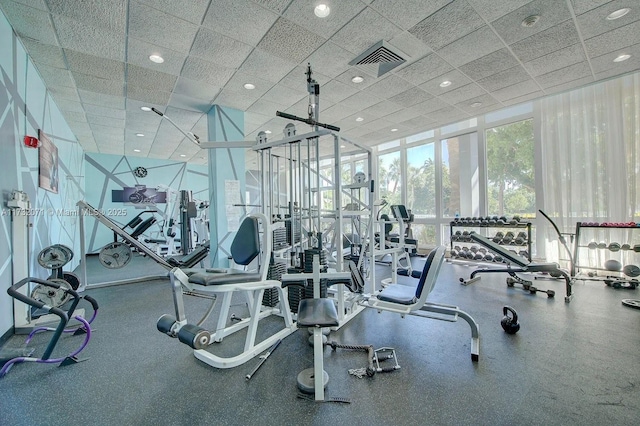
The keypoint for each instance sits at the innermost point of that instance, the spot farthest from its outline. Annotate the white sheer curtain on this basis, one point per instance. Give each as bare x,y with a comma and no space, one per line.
590,140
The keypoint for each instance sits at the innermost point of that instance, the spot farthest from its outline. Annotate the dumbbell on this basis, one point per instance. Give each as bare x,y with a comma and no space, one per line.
498,237
524,253
592,245
457,236
489,257
478,256
454,253
498,259
508,238
602,245
625,247
521,238
614,246
465,236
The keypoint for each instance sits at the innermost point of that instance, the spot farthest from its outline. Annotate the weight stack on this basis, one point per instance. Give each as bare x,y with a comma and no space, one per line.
280,238
293,229
270,297
308,268
296,293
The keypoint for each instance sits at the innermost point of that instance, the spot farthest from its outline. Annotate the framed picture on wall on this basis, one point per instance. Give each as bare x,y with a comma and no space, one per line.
47,164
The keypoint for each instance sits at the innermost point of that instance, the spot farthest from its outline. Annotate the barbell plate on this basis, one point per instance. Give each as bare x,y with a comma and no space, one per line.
115,255
632,303
55,256
54,297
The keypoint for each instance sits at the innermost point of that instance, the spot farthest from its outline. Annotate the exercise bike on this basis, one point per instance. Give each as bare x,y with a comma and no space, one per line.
54,291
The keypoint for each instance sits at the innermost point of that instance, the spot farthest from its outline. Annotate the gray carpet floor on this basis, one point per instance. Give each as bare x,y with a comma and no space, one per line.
573,363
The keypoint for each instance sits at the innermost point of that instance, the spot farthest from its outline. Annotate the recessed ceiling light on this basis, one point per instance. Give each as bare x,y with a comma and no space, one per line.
145,108
249,86
357,79
622,57
156,58
136,150
618,14
182,155
268,132
476,104
530,21
322,10
343,146
394,130
139,135
445,83
359,119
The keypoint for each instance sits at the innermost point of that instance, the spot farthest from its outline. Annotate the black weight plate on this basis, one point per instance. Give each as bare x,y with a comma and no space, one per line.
632,303
55,256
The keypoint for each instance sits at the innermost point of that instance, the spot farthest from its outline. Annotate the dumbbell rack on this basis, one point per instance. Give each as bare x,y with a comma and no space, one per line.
596,243
486,228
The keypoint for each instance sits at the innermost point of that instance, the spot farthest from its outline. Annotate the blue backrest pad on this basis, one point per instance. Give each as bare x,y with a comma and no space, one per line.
246,244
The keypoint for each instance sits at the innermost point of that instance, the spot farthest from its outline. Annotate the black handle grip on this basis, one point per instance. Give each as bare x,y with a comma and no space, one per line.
307,120
157,112
13,292
93,302
288,116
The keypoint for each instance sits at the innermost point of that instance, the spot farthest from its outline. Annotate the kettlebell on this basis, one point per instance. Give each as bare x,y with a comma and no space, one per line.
510,323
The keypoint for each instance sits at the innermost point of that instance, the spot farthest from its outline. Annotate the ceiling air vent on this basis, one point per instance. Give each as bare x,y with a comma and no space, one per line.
379,59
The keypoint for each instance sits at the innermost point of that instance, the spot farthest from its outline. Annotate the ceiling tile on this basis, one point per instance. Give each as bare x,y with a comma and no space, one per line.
138,53
30,23
582,6
101,111
447,25
105,121
551,13
263,65
504,78
214,47
564,75
147,23
147,95
63,92
365,30
240,19
430,105
407,13
94,65
516,90
403,115
335,91
389,86
297,78
55,76
185,119
212,74
605,62
192,10
613,40
108,101
37,4
47,54
96,84
409,45
108,133
142,77
410,97
238,100
265,108
493,9
545,42
485,66
462,93
74,116
110,15
445,114
80,128
381,109
360,101
553,61
424,69
289,41
472,46
330,60
135,126
195,89
284,96
339,111
89,39
301,12
240,78
277,6
456,78
346,77
594,22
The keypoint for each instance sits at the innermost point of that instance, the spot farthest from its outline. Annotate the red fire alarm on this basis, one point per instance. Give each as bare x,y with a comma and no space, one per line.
31,142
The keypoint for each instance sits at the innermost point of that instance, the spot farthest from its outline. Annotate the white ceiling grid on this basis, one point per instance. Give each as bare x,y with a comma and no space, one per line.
93,57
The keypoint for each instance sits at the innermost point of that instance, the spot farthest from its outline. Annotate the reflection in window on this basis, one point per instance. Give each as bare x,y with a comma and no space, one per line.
460,181
390,177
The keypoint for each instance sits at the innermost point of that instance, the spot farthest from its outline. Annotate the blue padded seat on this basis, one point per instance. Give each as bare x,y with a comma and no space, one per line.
143,226
317,313
406,295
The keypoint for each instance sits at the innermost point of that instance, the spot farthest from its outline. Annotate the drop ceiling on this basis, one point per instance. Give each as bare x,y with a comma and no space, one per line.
94,58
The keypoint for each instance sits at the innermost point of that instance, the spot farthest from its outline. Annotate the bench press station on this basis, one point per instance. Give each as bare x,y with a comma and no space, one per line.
523,265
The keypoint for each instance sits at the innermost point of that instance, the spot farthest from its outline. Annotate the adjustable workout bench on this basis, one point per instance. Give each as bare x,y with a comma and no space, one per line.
523,264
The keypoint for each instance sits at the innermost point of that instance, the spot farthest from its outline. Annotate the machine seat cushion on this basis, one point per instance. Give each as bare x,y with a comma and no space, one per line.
397,293
229,276
317,313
